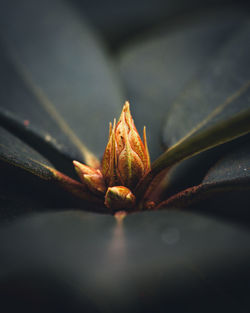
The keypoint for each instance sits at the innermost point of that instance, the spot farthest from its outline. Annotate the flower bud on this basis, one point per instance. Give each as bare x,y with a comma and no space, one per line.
91,177
118,198
125,162
126,158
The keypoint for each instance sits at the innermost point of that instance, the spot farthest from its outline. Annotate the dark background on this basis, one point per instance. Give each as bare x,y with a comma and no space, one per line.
87,58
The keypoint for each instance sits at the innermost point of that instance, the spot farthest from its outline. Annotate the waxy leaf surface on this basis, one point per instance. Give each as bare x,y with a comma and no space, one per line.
56,76
153,261
111,17
157,69
29,181
219,92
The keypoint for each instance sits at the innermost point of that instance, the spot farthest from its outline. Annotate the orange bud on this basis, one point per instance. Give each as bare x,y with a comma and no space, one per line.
118,198
126,158
91,177
125,162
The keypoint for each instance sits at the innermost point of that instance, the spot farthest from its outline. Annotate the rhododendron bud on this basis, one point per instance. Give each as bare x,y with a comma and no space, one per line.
118,198
91,177
125,162
126,158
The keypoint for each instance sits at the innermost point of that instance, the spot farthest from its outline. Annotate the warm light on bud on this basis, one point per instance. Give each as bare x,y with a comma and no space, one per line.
118,198
91,177
126,158
125,162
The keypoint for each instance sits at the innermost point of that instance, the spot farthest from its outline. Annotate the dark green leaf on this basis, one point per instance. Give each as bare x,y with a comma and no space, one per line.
210,137
218,93
153,262
156,69
225,188
56,77
118,20
232,166
28,181
17,153
206,139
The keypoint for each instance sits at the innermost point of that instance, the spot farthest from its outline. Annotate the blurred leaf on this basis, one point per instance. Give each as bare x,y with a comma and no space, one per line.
221,91
225,188
56,77
232,166
111,17
146,264
214,135
28,181
205,139
157,68
14,151
40,292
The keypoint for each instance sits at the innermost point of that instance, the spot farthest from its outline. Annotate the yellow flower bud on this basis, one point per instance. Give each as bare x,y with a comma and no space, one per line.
91,177
118,198
125,162
126,158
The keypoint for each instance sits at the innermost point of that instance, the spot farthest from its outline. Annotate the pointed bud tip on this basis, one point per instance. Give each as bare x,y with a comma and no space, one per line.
82,169
95,183
126,105
77,167
126,159
92,178
76,163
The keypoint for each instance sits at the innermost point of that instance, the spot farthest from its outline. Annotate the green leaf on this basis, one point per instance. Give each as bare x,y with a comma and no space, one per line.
111,17
28,180
17,153
218,134
232,166
156,68
217,93
224,191
203,140
146,264
57,79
